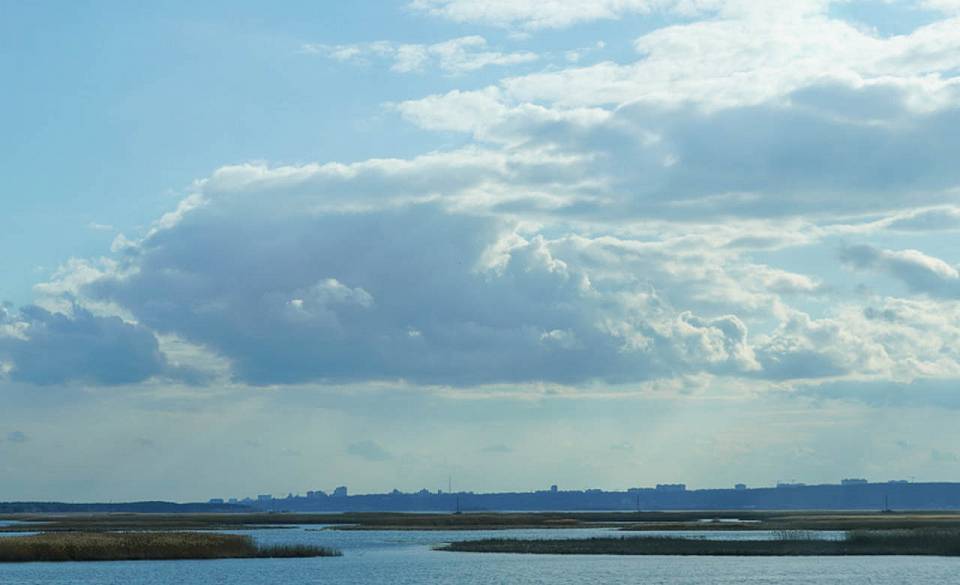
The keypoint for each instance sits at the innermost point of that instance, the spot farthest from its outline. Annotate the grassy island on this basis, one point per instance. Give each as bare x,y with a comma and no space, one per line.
144,546
864,543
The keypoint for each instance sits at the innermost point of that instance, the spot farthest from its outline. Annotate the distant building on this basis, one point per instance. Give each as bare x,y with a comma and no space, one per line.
233,500
898,481
785,485
740,487
671,487
553,489
265,498
215,501
340,492
316,494
853,481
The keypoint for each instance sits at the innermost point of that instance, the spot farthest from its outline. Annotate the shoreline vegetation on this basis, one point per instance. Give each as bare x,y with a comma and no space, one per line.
712,520
928,542
99,537
145,546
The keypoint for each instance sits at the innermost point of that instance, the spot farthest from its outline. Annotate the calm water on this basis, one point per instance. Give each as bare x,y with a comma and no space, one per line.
406,558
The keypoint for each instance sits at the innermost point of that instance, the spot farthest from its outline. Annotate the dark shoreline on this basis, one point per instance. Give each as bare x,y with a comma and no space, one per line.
857,543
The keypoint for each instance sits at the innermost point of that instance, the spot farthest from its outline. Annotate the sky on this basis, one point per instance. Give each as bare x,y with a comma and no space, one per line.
251,248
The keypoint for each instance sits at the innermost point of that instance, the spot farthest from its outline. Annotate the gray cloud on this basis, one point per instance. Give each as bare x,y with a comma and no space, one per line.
54,348
499,265
782,160
416,293
827,149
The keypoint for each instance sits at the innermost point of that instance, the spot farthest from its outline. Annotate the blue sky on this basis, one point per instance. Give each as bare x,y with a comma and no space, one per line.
601,244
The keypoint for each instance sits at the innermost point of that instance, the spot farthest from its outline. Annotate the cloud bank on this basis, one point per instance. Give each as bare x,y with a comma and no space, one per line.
671,218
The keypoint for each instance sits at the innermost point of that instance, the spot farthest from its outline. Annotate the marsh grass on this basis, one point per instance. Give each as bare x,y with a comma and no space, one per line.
923,542
144,546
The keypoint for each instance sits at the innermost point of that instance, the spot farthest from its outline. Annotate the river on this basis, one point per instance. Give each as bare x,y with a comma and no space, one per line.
407,558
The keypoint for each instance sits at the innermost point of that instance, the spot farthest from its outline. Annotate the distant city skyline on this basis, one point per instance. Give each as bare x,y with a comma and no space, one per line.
343,490
554,488
848,493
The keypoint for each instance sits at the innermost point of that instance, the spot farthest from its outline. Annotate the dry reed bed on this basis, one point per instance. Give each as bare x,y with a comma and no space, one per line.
144,546
930,542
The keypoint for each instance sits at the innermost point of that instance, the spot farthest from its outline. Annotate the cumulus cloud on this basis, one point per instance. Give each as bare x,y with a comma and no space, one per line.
893,339
460,55
612,224
680,162
740,61
55,348
805,348
435,292
335,296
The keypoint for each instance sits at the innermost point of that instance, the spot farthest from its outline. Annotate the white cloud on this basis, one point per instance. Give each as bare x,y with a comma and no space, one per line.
459,55
758,111
528,14
486,115
531,316
734,62
434,293
930,219
920,272
616,224
831,148
554,14
947,6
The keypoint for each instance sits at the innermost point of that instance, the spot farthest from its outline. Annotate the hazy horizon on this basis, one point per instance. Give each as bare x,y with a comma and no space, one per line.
609,243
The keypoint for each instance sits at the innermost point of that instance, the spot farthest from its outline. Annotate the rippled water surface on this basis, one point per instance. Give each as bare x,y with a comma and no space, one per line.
406,557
